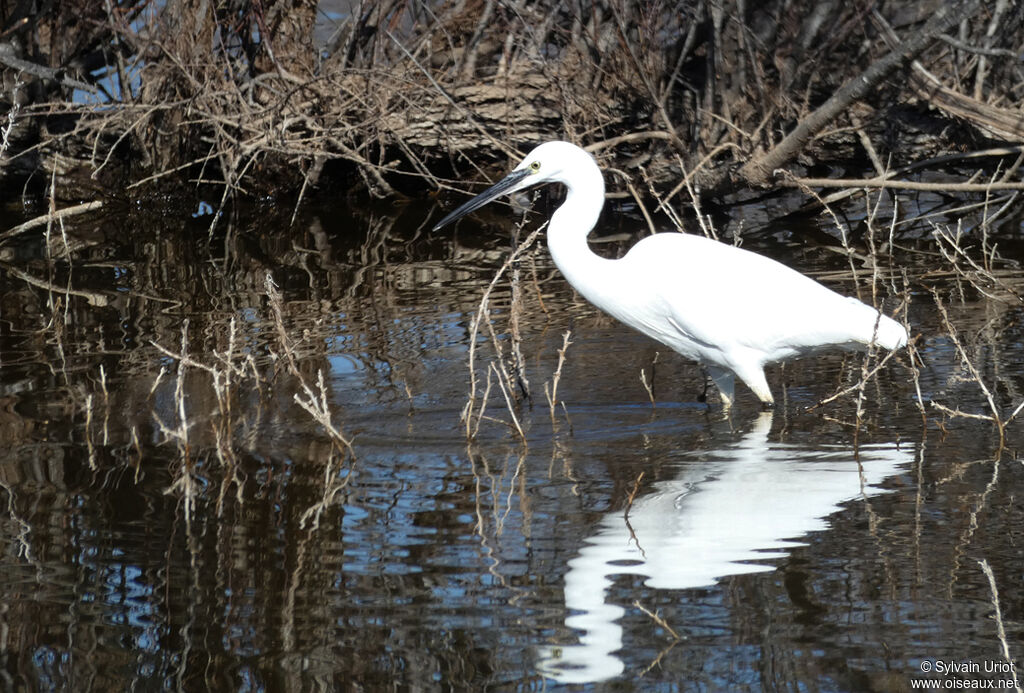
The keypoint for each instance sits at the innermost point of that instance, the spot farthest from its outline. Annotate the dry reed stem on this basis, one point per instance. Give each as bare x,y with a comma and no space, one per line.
632,497
180,434
965,359
88,433
225,376
501,515
222,426
12,116
688,175
914,359
663,205
482,314
1000,629
983,276
844,240
979,274
508,403
706,226
647,386
316,405
313,402
136,445
656,617
498,509
967,535
515,310
331,490
552,395
637,198
499,354
483,406
867,372
866,375
106,405
159,376
24,546
872,347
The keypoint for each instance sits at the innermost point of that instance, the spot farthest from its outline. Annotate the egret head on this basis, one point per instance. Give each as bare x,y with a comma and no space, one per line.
551,162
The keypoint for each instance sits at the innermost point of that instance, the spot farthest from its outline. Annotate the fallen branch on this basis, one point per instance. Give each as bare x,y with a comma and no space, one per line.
759,170
93,297
59,75
995,122
930,163
882,182
51,217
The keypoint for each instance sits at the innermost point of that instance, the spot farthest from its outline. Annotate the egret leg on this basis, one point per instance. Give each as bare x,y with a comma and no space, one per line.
753,376
725,383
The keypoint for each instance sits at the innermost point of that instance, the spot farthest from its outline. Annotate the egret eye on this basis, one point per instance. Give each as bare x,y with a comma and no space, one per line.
535,166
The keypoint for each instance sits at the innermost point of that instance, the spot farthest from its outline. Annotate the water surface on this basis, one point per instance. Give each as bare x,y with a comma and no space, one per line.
176,519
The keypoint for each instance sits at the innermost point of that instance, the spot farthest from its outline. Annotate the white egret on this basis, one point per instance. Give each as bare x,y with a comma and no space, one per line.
729,309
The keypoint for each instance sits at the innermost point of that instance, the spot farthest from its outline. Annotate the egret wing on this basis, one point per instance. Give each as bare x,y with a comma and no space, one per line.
722,297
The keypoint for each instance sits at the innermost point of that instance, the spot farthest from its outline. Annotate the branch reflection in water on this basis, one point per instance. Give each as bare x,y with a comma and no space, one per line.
746,504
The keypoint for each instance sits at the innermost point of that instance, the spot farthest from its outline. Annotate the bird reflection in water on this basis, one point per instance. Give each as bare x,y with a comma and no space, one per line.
747,504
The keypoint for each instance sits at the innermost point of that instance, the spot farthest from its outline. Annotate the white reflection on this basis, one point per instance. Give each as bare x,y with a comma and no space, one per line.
748,502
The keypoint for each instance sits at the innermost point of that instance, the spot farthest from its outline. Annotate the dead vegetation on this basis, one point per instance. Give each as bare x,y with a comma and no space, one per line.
255,98
412,92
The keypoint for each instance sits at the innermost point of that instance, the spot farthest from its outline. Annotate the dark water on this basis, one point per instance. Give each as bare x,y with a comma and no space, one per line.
186,524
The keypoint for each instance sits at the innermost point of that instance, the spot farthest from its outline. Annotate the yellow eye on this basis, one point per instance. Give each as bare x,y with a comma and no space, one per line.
535,166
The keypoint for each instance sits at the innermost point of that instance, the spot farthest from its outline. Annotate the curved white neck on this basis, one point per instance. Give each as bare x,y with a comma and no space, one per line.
567,234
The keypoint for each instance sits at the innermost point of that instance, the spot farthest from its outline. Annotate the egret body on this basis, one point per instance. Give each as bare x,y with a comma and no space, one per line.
730,309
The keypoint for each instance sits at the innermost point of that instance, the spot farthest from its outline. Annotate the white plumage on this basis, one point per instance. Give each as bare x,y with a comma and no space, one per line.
730,309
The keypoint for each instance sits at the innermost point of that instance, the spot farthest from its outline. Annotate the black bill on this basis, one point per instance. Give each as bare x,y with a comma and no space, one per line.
503,186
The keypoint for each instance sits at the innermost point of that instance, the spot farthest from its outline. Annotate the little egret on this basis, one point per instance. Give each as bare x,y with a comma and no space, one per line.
729,309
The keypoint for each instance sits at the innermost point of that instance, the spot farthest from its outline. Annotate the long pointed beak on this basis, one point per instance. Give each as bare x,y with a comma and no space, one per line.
505,185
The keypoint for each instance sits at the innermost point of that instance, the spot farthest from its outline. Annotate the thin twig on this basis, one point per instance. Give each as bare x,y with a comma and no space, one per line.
658,619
